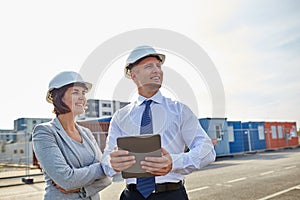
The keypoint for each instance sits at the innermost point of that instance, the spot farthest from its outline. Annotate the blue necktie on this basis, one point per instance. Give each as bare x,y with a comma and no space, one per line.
146,185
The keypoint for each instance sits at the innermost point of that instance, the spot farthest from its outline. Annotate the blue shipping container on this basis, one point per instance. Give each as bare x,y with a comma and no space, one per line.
254,137
216,129
236,137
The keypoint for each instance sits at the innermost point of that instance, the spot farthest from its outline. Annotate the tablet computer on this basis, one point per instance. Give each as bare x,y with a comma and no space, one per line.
140,146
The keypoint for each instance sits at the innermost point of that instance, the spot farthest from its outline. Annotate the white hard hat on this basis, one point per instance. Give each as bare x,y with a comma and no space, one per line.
65,78
139,53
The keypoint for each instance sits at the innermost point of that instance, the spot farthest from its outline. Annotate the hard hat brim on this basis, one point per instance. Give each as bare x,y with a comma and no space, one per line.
49,98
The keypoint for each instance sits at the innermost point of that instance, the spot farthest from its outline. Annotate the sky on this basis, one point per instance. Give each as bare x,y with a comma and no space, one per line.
253,44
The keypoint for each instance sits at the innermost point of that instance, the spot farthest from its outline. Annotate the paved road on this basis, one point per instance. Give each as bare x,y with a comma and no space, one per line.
259,176
268,175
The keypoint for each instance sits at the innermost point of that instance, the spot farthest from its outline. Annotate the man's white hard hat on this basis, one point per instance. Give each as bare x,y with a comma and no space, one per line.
65,78
139,53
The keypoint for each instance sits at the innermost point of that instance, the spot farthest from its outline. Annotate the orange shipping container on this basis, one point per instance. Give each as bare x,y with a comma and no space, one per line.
280,134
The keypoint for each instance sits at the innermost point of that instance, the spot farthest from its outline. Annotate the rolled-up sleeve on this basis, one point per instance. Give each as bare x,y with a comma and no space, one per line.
200,148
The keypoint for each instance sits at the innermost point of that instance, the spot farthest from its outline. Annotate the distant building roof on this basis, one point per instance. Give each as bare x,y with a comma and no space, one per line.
104,119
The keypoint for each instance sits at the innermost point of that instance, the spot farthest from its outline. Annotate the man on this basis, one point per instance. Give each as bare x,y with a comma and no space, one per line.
175,122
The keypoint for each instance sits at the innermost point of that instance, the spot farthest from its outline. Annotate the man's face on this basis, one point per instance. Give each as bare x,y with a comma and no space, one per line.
148,73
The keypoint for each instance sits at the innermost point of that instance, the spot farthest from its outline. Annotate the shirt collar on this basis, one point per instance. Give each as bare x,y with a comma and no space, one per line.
157,98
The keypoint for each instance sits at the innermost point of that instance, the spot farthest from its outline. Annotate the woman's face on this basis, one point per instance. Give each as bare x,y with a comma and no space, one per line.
75,99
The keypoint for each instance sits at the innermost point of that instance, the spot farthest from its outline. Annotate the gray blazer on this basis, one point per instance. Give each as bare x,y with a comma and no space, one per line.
60,162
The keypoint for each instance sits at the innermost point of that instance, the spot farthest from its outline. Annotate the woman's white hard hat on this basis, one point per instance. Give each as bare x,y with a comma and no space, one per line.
65,78
139,53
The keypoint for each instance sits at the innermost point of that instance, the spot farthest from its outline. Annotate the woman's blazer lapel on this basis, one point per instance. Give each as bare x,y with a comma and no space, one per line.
64,141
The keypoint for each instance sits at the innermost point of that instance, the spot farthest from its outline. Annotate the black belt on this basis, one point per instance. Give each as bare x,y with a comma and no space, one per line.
160,187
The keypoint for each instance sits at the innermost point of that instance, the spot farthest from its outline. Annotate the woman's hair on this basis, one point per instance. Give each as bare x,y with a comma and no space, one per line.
57,95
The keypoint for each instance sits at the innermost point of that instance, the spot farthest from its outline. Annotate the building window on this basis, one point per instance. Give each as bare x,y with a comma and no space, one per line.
280,134
106,113
274,134
261,133
106,105
92,109
230,134
218,131
122,104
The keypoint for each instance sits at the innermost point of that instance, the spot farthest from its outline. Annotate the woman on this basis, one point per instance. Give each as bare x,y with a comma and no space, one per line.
68,153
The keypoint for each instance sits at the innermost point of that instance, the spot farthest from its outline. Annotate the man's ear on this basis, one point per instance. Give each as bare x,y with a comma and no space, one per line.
132,75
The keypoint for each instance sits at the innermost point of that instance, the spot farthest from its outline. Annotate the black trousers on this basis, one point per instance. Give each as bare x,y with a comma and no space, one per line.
179,194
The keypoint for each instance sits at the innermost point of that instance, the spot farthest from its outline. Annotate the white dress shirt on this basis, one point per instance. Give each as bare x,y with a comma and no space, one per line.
179,128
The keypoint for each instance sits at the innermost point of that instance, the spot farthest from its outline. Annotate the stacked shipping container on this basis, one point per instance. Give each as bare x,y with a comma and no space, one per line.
229,137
